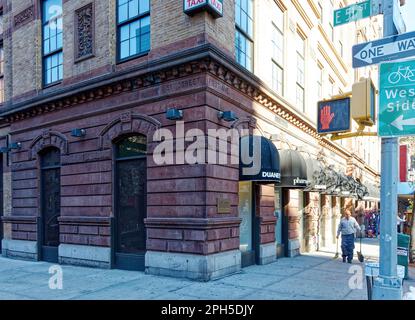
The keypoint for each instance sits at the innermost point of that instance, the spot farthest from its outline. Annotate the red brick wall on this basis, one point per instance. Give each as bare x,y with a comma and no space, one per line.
266,201
182,199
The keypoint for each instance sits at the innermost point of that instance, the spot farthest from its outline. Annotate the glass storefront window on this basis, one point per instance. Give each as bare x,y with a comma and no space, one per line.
245,213
278,215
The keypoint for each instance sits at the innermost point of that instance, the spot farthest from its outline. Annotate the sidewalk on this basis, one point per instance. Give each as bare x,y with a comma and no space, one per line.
311,276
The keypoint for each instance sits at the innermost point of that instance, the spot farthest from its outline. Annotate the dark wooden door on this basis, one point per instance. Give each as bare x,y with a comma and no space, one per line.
50,204
130,202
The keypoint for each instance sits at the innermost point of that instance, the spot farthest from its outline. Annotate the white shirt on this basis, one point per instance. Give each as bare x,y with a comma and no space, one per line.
348,226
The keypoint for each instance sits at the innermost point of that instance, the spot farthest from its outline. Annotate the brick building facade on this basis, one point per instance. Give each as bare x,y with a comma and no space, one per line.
98,198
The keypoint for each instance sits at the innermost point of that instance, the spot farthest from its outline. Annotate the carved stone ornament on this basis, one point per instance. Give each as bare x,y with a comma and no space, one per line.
84,32
23,17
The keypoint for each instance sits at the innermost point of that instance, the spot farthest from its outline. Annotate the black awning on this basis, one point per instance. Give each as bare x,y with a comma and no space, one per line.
293,169
259,160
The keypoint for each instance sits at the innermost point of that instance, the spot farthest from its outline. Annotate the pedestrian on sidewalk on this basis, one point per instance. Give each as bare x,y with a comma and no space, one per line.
347,228
400,222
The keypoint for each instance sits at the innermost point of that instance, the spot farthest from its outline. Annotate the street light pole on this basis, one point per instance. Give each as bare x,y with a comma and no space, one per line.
388,286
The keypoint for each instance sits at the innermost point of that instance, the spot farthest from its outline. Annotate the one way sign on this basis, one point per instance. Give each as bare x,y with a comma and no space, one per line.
386,49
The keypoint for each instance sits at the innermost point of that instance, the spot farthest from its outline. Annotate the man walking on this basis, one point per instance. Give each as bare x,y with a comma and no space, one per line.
347,228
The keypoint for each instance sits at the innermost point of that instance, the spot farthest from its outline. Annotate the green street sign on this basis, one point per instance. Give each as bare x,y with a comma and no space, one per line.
397,99
353,12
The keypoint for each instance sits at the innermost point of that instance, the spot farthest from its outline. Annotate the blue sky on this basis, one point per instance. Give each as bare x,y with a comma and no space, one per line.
408,12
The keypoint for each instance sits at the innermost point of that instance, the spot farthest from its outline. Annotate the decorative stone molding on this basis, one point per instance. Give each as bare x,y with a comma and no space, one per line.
128,123
211,62
84,32
24,17
48,138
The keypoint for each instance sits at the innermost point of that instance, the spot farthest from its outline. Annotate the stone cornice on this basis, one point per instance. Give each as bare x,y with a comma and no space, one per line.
205,58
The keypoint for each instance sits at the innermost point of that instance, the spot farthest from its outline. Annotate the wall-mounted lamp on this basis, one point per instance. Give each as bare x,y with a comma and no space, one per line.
228,116
15,146
174,114
78,133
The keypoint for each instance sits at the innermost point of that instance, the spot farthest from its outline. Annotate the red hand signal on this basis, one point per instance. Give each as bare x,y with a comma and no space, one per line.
326,117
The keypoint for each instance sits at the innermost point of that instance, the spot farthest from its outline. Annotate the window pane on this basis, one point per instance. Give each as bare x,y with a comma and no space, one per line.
144,6
53,68
125,49
279,19
277,75
244,16
1,90
145,42
51,9
132,147
124,33
133,8
123,13
135,37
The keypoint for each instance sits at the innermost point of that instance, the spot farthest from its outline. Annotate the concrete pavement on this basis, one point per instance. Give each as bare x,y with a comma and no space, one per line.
310,276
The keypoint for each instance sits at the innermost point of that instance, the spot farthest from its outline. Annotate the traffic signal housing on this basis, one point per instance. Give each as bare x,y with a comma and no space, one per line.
363,102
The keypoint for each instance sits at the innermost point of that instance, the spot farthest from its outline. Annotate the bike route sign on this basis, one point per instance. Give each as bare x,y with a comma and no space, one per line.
397,99
386,49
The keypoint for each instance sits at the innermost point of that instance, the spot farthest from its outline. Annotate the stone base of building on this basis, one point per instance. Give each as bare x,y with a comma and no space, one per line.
192,266
267,253
86,256
20,249
293,248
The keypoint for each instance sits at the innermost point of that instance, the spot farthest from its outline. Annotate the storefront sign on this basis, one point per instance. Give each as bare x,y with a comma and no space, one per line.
300,182
273,175
214,7
224,205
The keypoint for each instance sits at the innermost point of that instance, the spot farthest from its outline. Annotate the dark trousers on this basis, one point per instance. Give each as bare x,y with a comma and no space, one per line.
348,246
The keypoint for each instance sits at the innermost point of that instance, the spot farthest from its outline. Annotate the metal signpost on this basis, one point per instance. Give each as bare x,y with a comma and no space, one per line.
396,118
386,49
397,99
353,12
388,285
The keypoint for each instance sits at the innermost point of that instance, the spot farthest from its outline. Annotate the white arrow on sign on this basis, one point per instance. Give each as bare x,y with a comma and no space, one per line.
400,122
370,52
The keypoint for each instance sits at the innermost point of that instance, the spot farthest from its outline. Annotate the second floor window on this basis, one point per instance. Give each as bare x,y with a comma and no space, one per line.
1,73
300,73
320,83
244,44
133,20
52,41
277,41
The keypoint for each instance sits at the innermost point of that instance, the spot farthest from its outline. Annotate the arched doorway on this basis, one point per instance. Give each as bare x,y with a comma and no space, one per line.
50,167
129,242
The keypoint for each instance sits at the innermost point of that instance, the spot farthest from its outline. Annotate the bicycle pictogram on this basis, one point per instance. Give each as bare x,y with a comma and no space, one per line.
405,73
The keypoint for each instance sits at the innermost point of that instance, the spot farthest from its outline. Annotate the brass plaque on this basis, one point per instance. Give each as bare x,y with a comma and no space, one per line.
224,206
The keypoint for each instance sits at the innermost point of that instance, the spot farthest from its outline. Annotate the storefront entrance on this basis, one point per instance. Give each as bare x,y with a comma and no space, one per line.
50,204
130,203
246,234
279,225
